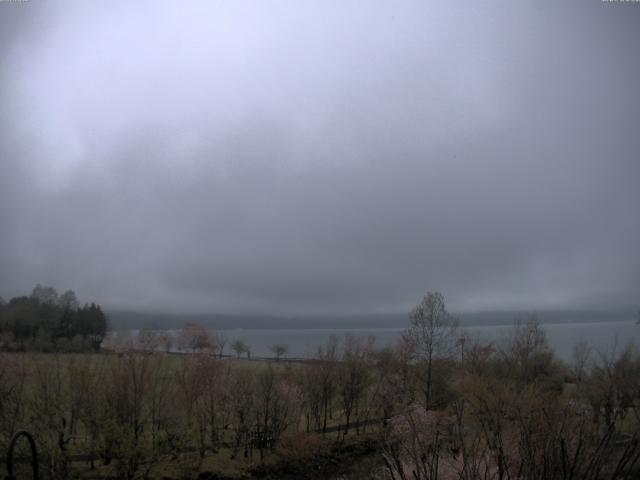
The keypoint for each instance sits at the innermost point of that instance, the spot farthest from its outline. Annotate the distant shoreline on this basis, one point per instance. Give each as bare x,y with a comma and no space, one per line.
136,321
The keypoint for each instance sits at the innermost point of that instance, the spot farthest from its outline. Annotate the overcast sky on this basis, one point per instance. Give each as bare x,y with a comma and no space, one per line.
321,156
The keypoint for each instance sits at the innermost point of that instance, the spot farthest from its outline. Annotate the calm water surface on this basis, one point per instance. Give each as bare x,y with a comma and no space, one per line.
604,337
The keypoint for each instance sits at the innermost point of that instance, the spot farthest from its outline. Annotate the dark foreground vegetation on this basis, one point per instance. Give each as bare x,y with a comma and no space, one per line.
437,405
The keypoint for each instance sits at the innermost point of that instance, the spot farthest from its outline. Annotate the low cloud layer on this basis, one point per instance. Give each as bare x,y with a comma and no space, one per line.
321,157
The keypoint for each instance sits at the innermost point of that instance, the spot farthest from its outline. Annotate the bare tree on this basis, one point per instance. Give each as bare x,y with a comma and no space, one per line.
276,408
199,388
166,341
318,380
394,387
416,444
13,379
126,413
53,414
149,340
279,350
239,347
221,342
241,385
353,375
328,356
196,338
433,335
527,355
87,385
581,355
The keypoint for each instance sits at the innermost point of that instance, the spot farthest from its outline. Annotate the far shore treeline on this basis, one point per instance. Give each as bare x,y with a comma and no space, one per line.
46,321
126,320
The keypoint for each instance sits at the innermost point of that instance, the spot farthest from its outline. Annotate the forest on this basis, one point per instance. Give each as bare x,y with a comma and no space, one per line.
45,321
437,405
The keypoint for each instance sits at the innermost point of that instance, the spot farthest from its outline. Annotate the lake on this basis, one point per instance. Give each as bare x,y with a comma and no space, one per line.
603,337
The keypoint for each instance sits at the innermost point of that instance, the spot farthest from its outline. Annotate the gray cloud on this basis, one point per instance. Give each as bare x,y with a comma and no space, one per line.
321,156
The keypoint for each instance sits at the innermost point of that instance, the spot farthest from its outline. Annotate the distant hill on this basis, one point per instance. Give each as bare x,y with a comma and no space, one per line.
135,320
